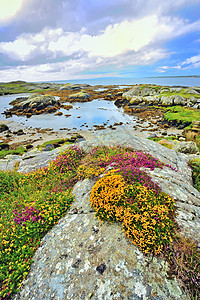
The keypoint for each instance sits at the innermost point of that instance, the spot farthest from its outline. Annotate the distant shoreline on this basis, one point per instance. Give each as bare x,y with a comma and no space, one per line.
188,76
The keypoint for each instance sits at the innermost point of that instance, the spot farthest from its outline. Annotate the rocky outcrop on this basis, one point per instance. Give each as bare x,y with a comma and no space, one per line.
163,96
35,104
94,260
36,101
83,258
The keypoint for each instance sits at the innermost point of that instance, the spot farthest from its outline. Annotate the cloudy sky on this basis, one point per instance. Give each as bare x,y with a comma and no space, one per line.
44,40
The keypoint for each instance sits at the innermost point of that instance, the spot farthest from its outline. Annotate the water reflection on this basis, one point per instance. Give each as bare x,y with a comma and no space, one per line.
82,116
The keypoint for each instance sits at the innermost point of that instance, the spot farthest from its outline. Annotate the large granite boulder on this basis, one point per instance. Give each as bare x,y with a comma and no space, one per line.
83,258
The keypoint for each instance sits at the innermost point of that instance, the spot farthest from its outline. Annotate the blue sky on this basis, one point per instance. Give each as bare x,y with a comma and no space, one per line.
43,40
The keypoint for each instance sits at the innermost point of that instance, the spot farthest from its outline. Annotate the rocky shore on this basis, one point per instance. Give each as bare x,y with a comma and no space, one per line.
148,103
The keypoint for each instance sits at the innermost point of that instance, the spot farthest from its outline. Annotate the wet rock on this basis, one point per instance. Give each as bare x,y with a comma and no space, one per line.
3,127
59,113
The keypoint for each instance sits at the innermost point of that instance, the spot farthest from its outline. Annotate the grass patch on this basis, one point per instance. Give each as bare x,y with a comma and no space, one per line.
58,142
19,151
195,165
182,114
157,139
31,204
17,87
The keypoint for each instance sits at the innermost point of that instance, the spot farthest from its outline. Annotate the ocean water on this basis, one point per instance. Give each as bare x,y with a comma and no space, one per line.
169,81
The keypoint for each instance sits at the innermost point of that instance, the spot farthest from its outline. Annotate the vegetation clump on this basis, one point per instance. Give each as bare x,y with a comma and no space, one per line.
182,115
31,204
195,165
19,151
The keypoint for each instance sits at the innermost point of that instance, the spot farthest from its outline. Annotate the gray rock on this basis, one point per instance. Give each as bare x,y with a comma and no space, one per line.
196,106
167,101
179,100
192,91
151,99
148,91
193,100
131,93
9,162
82,258
186,147
74,87
177,90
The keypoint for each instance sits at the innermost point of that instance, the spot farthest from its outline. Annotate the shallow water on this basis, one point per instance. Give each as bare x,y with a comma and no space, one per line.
92,113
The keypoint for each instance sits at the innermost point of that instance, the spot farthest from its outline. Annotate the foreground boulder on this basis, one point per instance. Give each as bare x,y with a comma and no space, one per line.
83,258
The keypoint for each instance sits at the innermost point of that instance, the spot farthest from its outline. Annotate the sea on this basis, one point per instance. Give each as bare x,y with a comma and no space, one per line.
167,81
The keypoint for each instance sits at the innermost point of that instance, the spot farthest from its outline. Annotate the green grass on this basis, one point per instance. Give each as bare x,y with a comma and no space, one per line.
17,88
182,114
157,139
31,204
19,151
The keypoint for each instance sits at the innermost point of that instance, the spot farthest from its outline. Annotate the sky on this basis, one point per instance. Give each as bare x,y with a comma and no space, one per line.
48,40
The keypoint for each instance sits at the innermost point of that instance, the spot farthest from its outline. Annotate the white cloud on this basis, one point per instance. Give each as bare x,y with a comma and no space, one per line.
192,62
9,8
87,35
115,40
